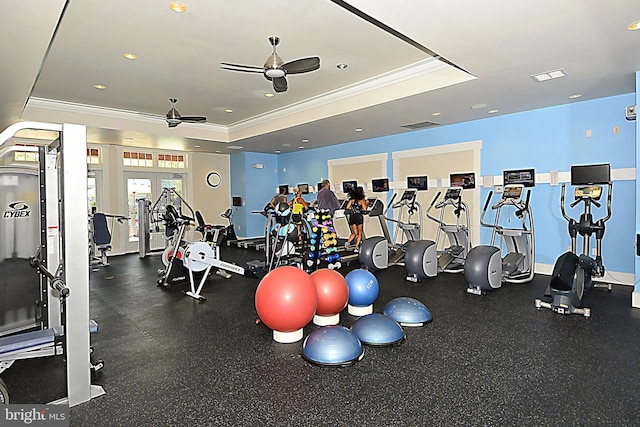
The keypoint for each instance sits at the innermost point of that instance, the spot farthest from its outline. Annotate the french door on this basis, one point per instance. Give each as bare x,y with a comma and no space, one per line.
149,186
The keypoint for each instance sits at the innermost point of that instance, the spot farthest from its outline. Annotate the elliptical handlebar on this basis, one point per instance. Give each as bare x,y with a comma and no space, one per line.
524,208
433,202
586,200
609,191
484,210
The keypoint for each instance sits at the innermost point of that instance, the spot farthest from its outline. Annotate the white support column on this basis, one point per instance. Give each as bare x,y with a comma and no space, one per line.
75,257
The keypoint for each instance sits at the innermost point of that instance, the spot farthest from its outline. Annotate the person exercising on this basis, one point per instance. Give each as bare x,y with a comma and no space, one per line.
298,207
281,197
327,199
357,205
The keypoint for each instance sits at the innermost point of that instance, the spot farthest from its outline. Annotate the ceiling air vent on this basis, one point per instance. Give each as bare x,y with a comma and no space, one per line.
420,125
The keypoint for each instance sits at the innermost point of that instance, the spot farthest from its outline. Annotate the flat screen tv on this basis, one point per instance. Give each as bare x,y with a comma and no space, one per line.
380,185
526,177
283,189
236,201
349,186
304,188
418,182
590,174
465,180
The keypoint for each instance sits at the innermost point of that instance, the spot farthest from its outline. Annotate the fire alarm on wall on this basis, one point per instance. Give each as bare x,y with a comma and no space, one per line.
631,112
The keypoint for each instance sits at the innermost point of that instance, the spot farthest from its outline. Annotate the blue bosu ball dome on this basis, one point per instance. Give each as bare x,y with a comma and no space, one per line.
378,329
407,311
332,346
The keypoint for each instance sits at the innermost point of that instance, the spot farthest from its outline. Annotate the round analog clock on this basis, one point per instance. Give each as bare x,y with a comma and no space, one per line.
213,179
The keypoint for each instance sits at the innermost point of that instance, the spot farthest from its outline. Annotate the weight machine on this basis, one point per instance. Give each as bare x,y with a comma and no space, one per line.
63,240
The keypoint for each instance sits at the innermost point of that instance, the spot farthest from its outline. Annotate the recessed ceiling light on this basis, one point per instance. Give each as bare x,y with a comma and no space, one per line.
196,146
269,95
358,129
437,113
305,140
301,147
99,86
218,151
286,145
492,111
235,147
177,7
549,75
479,106
341,66
130,55
277,151
128,138
228,110
575,96
634,26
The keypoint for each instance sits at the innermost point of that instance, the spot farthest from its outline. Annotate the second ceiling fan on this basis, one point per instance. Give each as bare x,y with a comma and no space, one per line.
275,69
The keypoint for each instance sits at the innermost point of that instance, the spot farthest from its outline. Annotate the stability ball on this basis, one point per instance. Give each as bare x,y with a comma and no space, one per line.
333,295
286,301
363,291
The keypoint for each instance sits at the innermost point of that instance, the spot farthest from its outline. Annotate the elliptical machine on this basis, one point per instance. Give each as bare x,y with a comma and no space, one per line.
572,273
451,259
485,269
419,257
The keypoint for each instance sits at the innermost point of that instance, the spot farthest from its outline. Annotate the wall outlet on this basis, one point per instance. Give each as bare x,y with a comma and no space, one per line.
616,130
568,248
588,133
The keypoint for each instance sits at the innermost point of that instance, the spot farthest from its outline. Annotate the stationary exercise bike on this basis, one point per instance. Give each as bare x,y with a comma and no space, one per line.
572,273
451,258
485,269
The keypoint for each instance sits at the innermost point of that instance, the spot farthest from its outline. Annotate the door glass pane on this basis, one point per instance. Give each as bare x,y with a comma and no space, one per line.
171,198
137,188
91,192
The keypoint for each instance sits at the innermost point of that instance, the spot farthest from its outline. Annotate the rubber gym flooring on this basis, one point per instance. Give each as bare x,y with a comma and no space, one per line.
493,360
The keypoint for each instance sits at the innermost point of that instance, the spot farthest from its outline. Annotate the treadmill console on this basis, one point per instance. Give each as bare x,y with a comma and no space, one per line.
593,192
512,192
453,193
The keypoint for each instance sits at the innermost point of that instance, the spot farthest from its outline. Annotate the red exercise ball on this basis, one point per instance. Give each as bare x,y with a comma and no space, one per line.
332,290
286,299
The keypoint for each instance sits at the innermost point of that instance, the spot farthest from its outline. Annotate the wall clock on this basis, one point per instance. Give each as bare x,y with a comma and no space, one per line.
213,179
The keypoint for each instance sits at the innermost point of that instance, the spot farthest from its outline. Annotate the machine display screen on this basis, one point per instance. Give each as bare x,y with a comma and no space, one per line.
453,193
512,192
408,195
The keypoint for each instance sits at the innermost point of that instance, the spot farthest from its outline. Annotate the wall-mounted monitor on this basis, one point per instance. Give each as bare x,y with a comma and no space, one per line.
464,180
283,189
318,186
304,188
526,177
349,186
236,201
380,185
418,182
590,174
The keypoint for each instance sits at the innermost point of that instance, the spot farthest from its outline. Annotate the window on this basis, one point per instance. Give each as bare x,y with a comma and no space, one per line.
93,156
130,158
28,155
174,161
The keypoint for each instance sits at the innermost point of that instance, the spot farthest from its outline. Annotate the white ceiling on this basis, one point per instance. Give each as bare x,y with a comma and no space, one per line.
54,51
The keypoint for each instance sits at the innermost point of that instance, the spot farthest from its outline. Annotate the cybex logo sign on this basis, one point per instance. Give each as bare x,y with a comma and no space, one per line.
17,210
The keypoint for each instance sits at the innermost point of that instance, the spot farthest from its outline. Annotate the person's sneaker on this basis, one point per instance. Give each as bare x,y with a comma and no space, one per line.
347,245
223,274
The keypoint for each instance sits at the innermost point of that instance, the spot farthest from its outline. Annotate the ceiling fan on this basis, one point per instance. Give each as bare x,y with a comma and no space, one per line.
275,69
174,118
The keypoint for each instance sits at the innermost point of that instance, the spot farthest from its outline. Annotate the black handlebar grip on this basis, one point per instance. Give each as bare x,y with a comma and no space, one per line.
486,205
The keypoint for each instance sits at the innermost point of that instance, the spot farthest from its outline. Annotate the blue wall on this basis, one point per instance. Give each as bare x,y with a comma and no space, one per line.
546,139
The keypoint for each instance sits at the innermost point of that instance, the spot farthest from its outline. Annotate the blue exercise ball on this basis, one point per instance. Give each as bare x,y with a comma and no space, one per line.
407,311
378,329
332,346
363,287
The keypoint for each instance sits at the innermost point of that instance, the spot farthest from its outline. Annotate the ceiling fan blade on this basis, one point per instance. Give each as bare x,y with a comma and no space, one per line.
280,84
194,119
303,65
242,68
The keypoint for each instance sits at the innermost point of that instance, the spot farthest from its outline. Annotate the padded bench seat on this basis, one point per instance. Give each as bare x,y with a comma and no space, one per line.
35,339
